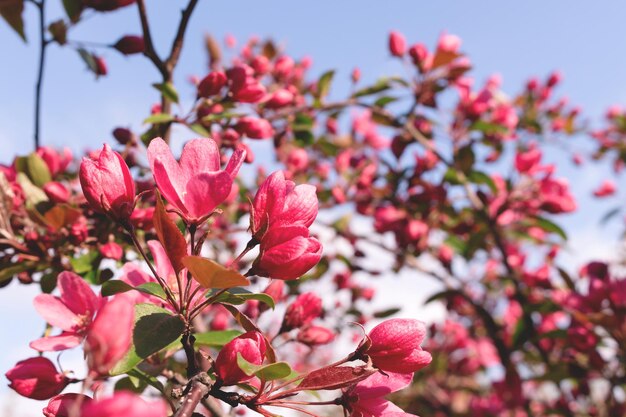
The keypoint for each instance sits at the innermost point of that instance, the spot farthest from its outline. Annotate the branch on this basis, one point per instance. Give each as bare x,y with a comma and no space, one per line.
149,50
198,391
43,43
177,45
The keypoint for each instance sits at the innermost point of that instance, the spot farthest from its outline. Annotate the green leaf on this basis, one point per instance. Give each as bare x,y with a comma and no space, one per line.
10,271
73,9
84,263
11,11
323,85
167,90
88,59
549,226
380,86
155,329
115,286
131,383
386,313
478,177
464,159
383,101
216,338
271,372
199,129
152,288
159,118
488,128
238,295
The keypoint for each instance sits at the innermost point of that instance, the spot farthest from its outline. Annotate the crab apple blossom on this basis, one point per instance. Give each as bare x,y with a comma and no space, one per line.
302,311
110,335
287,252
63,405
251,346
195,185
397,44
212,84
72,312
123,403
107,184
396,346
255,128
36,378
367,398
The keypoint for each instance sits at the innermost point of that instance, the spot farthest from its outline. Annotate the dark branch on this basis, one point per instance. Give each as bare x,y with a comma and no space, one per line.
43,43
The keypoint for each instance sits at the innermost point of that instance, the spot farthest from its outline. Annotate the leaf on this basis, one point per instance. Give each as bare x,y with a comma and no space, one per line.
6,273
61,215
323,84
609,215
383,101
131,383
210,274
549,226
34,195
158,118
155,328
444,58
169,235
488,128
84,263
58,30
199,129
73,9
441,295
167,90
115,286
386,313
217,338
464,159
271,372
88,59
478,177
380,86
37,170
237,296
11,11
152,288
335,377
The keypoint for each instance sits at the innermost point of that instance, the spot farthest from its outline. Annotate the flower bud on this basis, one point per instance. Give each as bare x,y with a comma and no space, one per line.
211,84
36,378
56,192
101,68
107,184
62,405
112,250
130,44
315,336
396,346
397,44
123,135
255,128
251,346
304,309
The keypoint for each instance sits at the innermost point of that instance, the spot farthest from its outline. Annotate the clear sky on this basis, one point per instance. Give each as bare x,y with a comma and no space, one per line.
586,40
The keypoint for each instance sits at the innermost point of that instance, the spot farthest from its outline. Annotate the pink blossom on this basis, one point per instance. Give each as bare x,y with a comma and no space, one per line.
449,43
110,335
211,84
36,378
255,128
607,188
56,192
244,87
107,184
112,250
195,185
251,346
527,162
315,335
124,403
57,162
72,312
302,311
396,346
397,44
63,405
367,398
279,98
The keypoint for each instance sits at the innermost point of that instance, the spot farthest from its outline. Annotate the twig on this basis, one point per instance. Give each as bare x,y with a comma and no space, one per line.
43,43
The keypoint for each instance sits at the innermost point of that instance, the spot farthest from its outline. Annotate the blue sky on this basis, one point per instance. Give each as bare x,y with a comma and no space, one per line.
585,40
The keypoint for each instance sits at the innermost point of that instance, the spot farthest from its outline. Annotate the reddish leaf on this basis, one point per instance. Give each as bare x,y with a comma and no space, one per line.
335,377
213,275
170,237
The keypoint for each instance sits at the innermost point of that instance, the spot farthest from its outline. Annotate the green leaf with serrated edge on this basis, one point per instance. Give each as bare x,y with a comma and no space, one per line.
155,329
167,90
159,118
115,286
271,372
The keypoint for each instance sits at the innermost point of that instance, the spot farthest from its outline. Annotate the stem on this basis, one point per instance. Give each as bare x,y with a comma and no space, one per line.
205,303
188,340
43,43
196,394
149,50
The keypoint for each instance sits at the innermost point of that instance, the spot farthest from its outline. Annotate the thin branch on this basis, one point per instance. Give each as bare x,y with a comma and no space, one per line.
43,43
149,50
177,45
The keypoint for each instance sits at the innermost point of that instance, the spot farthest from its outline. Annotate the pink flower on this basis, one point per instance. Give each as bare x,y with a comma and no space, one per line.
527,162
607,188
124,403
315,336
244,87
110,335
297,160
195,185
556,196
449,43
255,128
367,398
396,346
287,253
279,202
112,250
304,309
107,184
56,192
251,346
36,378
57,162
397,44
130,44
72,312
63,405
211,84
279,98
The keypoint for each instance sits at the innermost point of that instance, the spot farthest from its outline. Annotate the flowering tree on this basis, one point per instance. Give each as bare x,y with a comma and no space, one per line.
194,291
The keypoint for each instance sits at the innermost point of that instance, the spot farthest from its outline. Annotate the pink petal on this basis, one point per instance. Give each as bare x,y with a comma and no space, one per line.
300,205
77,295
199,156
379,385
55,343
168,175
235,162
55,312
162,263
269,199
206,191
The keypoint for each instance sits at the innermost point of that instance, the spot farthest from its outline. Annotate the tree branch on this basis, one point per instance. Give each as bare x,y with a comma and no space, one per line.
43,43
149,50
177,45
